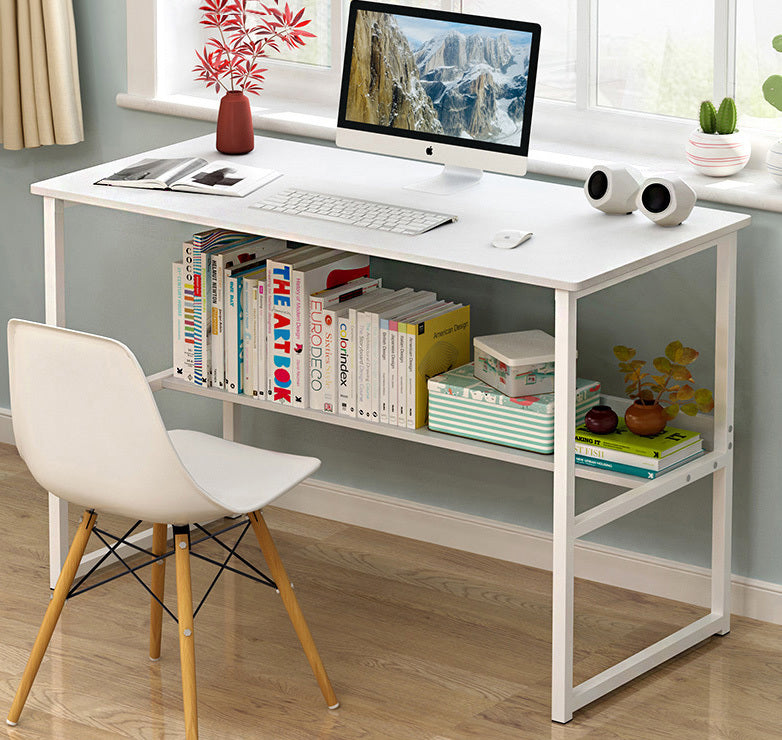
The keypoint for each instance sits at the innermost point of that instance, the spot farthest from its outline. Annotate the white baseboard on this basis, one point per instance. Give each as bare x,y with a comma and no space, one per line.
6,429
644,573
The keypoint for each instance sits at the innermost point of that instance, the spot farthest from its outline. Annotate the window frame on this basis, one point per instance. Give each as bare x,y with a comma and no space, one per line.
295,92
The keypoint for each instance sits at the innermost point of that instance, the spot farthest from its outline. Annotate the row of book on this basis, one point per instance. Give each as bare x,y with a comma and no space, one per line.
647,457
307,326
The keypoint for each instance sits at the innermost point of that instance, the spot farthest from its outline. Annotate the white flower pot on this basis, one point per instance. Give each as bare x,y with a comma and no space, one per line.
774,161
718,155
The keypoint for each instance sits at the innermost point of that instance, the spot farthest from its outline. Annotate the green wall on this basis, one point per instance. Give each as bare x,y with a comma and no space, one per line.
118,283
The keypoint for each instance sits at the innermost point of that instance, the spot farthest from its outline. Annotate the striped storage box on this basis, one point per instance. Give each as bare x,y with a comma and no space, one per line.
461,404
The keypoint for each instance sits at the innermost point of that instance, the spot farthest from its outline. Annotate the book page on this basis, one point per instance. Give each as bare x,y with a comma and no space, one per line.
226,178
154,172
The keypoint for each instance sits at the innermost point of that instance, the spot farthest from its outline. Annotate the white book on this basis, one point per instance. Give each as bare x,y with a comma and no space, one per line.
218,261
333,269
321,355
401,361
346,370
249,323
178,318
279,320
335,350
364,361
379,323
378,377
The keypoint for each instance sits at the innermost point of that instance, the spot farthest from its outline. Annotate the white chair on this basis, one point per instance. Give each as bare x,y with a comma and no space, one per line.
87,426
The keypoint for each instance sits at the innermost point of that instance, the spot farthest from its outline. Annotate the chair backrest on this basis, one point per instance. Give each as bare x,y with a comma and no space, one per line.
87,426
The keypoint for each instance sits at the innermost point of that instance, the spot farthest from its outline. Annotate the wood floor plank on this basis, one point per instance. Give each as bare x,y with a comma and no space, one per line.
421,643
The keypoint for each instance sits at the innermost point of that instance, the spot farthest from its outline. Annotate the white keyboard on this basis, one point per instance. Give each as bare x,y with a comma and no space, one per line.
371,215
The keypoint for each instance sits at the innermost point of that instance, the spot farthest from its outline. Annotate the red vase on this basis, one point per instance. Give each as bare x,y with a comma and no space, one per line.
235,124
601,420
645,417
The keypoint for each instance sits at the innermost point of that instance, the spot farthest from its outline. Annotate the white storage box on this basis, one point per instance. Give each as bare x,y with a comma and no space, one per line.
463,405
518,364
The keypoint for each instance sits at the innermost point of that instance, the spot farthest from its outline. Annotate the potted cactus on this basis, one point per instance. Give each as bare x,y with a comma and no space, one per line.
718,148
772,92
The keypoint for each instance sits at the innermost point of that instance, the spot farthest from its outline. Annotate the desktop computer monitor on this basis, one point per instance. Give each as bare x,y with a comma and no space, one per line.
441,87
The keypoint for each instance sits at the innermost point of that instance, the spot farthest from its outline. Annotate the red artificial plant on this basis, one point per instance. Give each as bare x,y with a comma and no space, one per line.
246,32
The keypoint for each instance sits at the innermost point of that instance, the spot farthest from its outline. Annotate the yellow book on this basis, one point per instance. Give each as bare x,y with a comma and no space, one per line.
436,344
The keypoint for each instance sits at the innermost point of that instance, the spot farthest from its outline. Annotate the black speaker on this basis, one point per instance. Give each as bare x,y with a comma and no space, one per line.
666,201
613,188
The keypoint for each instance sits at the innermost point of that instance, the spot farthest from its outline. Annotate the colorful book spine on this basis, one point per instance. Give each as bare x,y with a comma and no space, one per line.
178,318
279,341
261,342
615,467
401,373
638,461
660,445
250,292
233,337
385,393
189,357
316,375
347,366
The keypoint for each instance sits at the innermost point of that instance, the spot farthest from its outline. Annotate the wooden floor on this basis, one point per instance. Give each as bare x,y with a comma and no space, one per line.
420,641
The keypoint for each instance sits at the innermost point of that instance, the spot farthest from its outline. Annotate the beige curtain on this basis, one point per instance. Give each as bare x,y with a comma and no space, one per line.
39,76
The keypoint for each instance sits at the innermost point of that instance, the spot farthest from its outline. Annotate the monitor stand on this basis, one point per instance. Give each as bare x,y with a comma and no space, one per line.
450,180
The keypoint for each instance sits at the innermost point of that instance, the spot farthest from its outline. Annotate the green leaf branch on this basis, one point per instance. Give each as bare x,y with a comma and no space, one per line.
672,384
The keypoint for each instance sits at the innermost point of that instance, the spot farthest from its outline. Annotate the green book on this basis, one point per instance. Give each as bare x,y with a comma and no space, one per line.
660,445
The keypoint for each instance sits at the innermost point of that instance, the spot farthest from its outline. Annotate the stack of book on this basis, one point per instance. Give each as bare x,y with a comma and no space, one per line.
307,326
624,452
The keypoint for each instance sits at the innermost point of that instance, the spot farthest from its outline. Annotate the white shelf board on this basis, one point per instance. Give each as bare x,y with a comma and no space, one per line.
422,435
574,247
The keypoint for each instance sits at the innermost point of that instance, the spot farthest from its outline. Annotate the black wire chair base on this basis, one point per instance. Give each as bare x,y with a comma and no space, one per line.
111,549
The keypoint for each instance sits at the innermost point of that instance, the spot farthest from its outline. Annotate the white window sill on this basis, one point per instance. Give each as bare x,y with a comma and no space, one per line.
750,188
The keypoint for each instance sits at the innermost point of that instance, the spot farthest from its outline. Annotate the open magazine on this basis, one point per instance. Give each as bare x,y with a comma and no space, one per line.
194,175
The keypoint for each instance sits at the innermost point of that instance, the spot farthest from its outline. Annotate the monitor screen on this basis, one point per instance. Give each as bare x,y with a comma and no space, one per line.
439,76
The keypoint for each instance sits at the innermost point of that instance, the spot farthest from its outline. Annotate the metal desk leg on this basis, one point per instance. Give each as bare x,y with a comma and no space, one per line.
722,487
230,420
564,507
54,292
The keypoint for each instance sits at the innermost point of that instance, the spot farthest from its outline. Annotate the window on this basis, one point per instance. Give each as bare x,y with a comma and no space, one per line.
608,68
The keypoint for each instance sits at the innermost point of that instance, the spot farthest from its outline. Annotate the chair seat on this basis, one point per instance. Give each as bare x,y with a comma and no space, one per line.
238,477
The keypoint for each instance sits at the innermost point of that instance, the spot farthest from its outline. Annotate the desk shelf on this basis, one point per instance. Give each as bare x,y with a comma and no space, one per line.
424,435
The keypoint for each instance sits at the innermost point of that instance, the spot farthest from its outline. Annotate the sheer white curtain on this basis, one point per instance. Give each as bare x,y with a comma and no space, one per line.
39,76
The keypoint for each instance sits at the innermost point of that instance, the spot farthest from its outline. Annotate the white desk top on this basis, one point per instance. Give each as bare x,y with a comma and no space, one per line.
574,248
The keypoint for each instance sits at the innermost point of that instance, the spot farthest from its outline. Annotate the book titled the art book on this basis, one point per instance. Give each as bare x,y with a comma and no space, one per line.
193,175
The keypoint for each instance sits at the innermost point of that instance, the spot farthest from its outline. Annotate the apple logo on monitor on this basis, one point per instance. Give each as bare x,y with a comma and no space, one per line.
429,151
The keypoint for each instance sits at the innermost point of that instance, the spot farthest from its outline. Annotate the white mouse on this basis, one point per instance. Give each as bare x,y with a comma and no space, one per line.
510,238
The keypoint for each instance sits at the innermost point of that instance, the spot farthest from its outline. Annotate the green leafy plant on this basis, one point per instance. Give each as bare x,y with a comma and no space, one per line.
671,386
772,87
722,121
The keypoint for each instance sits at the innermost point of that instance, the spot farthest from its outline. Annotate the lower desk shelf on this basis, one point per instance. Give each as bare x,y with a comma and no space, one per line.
691,471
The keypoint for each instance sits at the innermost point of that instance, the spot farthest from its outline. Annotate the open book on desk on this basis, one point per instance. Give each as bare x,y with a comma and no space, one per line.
194,175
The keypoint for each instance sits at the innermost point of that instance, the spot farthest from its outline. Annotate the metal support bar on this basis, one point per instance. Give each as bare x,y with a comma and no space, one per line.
564,506
236,555
625,503
643,661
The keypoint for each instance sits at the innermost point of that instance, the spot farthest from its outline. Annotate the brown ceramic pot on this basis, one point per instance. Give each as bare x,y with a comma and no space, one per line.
235,124
601,420
645,417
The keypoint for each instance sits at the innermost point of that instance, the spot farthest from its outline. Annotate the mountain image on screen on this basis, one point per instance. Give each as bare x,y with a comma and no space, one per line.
452,79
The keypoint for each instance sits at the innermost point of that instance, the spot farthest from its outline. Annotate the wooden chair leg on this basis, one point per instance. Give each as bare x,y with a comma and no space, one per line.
184,599
64,583
280,577
158,585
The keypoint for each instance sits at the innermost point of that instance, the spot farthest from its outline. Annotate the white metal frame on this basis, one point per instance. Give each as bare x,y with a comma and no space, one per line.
567,526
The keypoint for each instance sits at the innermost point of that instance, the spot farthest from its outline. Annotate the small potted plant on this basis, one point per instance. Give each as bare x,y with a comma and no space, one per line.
246,31
772,92
672,386
718,148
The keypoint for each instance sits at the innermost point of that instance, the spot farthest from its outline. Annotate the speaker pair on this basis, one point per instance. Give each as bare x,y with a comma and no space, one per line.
666,201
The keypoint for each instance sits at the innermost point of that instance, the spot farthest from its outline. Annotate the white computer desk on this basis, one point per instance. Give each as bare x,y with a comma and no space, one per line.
576,251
